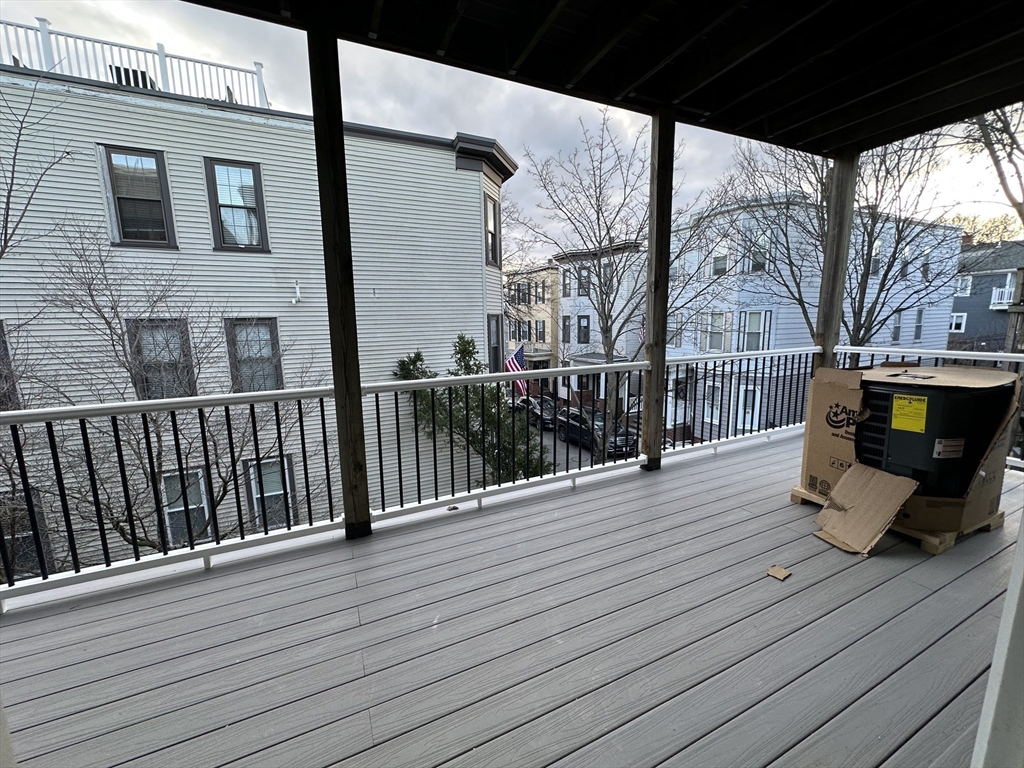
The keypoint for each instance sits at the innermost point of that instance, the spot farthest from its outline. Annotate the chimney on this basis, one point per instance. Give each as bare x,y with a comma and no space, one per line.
966,240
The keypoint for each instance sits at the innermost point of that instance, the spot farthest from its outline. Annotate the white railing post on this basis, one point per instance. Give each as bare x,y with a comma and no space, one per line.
45,43
165,81
259,85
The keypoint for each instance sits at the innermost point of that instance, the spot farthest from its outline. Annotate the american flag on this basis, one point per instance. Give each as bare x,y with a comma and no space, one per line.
643,330
517,362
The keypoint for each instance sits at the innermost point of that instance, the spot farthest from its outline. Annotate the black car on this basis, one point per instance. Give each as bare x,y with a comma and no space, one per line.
542,412
588,428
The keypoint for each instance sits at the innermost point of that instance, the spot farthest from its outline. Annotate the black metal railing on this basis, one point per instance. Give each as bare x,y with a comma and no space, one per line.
455,438
94,485
718,397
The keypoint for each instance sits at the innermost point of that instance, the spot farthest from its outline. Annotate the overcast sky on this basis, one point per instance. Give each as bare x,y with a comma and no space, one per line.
386,89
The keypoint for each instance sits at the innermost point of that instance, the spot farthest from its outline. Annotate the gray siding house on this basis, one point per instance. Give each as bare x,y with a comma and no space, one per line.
189,228
983,294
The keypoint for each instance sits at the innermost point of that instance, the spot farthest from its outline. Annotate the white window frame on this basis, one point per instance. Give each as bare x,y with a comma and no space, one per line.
963,285
897,325
745,341
709,331
200,476
253,497
747,419
955,319
875,265
712,402
919,324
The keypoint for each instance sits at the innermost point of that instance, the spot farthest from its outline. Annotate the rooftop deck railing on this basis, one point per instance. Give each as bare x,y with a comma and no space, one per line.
47,50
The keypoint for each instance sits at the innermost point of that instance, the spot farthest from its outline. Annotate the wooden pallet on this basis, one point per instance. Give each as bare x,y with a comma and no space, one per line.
937,542
798,495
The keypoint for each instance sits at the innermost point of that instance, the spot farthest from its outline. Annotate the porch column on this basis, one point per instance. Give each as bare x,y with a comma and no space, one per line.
839,217
325,84
658,257
999,741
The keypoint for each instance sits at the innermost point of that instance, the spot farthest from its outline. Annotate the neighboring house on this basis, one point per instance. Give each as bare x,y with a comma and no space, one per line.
983,294
222,197
761,273
601,299
532,296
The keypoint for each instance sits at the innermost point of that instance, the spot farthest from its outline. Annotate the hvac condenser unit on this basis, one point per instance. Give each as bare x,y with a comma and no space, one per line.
932,424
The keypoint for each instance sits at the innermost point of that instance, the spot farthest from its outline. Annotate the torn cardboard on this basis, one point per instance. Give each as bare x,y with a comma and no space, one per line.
833,411
779,572
861,508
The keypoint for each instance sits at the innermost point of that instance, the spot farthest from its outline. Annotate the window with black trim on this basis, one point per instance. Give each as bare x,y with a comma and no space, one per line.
254,354
494,343
492,221
540,291
566,284
141,196
161,358
566,329
236,206
584,283
9,400
583,329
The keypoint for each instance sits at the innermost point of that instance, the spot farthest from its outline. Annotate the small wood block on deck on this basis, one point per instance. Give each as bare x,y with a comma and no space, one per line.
798,495
937,542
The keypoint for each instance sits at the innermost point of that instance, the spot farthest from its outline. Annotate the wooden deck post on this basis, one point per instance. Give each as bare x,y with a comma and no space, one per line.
839,213
328,129
658,258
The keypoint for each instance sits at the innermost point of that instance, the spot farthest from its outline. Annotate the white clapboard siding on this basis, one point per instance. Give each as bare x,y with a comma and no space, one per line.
417,231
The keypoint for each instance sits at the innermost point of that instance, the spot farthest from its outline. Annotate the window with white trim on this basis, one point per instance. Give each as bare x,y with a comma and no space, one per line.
566,329
713,332
720,259
584,282
753,331
957,322
712,403
273,498
897,325
566,284
541,335
198,507
749,409
919,324
876,259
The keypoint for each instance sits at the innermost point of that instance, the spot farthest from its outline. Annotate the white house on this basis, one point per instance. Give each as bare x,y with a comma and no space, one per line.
767,270
187,221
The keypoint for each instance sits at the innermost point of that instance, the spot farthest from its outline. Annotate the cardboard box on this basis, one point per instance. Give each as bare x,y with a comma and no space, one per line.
836,408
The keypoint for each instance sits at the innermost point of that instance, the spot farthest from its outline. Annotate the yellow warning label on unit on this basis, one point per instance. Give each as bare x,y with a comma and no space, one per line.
909,412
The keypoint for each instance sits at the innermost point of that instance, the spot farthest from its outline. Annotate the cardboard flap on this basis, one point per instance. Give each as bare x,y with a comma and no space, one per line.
841,376
861,508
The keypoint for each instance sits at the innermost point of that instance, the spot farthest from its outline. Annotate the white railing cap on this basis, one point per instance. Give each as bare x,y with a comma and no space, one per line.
945,354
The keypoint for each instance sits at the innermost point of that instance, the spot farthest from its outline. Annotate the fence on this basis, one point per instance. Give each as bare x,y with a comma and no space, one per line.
47,50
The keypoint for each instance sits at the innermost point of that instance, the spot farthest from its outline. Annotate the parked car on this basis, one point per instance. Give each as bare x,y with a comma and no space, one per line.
542,411
588,428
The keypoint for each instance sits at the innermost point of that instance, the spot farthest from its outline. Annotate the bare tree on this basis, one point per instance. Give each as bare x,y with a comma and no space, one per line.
517,258
26,159
987,230
596,212
901,257
998,135
124,329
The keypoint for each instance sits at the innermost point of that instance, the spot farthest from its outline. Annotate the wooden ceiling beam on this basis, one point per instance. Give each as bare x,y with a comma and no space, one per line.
978,86
672,41
792,62
931,80
533,31
453,22
766,28
928,48
601,35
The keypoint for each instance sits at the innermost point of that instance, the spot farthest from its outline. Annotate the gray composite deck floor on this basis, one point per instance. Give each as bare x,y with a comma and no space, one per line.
626,622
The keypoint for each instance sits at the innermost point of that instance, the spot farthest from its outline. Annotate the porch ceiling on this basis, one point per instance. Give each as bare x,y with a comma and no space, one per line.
625,622
824,77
